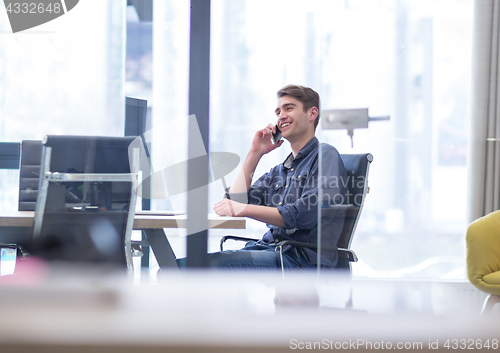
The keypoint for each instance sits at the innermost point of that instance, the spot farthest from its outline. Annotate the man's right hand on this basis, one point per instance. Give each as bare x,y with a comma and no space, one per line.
262,142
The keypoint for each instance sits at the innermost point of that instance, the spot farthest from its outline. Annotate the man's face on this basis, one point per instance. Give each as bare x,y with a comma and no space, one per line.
292,120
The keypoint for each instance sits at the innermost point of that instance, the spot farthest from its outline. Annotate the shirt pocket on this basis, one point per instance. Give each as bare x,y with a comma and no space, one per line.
293,189
300,180
278,185
276,191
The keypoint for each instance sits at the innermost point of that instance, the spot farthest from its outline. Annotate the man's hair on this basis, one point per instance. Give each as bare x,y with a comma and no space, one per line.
307,96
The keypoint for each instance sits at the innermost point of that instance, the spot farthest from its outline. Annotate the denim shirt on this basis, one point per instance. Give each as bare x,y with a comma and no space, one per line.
292,187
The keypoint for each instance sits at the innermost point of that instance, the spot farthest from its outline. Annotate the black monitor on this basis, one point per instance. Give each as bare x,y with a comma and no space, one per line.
136,111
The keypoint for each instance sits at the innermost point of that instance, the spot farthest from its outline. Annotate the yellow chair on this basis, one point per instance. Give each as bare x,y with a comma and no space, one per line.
483,257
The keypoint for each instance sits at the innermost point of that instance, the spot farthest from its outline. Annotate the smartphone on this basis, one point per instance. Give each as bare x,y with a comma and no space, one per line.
277,136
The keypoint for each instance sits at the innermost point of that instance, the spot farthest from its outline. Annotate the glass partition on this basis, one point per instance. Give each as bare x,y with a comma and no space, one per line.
409,59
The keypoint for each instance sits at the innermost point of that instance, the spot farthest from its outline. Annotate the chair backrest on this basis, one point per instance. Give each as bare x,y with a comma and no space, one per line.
357,167
86,200
29,173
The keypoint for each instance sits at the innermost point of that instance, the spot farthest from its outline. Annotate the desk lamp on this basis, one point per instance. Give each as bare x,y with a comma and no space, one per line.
349,119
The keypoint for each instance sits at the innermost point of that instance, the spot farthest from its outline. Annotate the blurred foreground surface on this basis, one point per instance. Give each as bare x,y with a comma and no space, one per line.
50,308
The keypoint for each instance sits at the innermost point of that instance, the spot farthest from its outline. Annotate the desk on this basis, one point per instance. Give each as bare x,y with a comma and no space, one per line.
151,223
142,220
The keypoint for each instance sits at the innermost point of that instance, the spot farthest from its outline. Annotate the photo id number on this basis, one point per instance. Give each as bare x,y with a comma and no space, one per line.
33,8
471,344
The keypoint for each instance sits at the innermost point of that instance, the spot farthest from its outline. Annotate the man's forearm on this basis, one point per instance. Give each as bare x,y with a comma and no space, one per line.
264,214
261,145
243,181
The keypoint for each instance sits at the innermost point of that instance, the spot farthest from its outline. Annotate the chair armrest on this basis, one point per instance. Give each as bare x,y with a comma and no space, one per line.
342,207
233,237
348,254
343,253
19,251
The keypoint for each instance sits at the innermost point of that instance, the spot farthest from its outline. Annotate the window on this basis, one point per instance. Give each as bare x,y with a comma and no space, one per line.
63,77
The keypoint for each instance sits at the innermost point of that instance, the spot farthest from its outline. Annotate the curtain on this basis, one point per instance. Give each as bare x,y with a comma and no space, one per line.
484,139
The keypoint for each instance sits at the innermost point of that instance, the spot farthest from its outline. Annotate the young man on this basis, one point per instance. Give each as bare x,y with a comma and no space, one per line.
286,198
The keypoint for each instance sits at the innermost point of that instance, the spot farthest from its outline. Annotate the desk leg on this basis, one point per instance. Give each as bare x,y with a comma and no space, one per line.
161,248
145,251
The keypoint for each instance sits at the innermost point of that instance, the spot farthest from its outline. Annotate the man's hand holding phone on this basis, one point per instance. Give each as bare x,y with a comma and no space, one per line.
276,135
263,141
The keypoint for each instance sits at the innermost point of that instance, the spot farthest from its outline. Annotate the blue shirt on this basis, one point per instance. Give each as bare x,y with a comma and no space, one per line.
292,187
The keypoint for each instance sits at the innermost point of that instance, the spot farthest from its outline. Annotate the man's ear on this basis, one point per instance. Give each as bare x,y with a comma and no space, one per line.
313,113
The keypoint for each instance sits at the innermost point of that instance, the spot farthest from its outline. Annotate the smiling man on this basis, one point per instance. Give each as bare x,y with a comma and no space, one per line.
286,198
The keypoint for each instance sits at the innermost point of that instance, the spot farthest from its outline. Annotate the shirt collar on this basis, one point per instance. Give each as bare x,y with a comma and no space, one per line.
308,147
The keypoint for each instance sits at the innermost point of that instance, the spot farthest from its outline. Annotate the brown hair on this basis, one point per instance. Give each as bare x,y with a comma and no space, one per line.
307,96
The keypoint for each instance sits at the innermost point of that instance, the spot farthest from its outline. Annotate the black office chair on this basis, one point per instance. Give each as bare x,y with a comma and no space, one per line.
29,174
357,167
86,200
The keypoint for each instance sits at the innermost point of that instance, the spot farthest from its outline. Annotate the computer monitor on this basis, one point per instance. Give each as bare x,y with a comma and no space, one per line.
136,111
